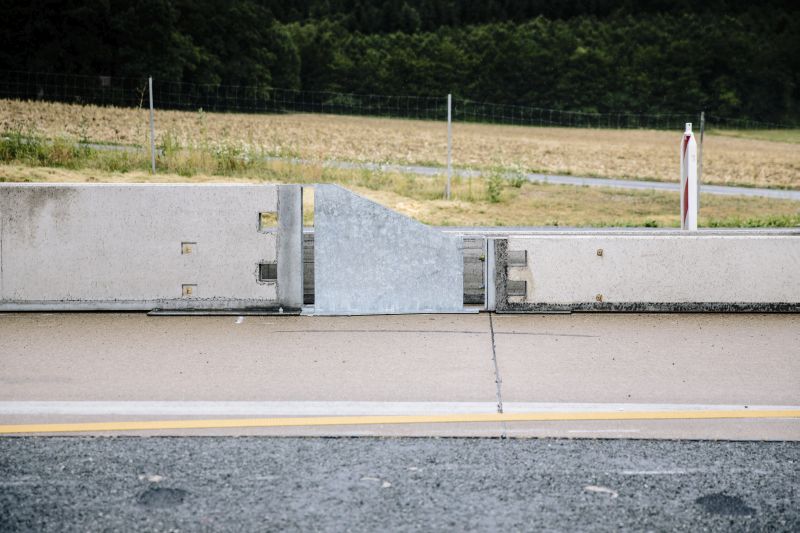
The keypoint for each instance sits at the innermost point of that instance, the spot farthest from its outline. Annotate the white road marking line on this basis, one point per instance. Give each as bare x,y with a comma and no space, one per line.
337,408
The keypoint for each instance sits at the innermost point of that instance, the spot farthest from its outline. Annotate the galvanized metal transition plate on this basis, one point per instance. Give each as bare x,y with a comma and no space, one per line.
371,260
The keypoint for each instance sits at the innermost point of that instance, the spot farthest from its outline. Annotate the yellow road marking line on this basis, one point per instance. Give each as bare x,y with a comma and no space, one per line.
392,419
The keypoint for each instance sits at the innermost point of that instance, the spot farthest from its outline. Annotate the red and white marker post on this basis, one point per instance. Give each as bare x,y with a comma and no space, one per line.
689,188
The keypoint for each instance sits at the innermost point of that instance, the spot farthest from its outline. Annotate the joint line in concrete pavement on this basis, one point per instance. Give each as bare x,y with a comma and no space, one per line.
497,379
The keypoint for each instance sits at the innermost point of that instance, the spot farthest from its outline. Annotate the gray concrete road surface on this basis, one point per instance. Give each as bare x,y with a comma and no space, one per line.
690,376
378,484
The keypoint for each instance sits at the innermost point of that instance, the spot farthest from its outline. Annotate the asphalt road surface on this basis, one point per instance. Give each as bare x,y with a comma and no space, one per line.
376,484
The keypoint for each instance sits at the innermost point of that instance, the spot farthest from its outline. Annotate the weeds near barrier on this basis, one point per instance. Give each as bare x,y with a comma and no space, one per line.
516,179
494,187
26,146
235,159
767,221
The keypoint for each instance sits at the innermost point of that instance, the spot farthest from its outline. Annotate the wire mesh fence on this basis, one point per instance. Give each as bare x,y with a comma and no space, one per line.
470,111
173,95
132,92
74,89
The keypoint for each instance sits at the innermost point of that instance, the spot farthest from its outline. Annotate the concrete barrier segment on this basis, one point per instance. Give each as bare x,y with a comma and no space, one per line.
136,247
756,272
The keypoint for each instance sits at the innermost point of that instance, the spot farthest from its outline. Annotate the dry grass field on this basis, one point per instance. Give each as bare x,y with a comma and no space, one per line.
420,198
632,154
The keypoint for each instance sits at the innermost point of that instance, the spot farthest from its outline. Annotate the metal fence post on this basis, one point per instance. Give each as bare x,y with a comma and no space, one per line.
152,126
449,143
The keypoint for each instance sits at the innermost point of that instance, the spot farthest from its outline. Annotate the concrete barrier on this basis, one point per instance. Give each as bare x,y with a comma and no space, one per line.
146,246
240,248
656,271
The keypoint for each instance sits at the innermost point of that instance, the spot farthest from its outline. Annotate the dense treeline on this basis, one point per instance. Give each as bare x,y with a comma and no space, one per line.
382,16
730,58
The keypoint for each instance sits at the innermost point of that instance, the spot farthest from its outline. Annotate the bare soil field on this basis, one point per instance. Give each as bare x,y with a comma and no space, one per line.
527,205
631,154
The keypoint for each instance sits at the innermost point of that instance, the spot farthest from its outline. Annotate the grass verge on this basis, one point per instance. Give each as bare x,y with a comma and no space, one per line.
472,204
